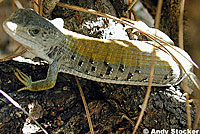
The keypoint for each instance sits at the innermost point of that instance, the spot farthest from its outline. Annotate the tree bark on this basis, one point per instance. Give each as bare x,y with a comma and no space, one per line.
111,106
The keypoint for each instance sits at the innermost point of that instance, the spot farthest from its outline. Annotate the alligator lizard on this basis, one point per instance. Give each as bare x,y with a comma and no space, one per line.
111,61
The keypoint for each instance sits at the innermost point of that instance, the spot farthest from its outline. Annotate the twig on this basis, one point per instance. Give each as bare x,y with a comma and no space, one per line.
19,107
158,14
18,4
32,4
36,6
85,106
144,105
126,117
180,33
13,56
197,116
131,11
41,7
187,105
152,37
132,4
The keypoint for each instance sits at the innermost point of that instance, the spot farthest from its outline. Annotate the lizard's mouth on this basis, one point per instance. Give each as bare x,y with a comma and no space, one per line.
11,29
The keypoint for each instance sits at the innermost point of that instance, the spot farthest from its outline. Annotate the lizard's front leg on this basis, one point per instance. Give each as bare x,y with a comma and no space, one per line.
39,85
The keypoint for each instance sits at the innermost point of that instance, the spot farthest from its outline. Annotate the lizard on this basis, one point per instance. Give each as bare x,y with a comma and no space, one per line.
110,61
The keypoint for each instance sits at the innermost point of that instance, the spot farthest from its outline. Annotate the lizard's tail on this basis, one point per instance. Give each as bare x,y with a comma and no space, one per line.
191,85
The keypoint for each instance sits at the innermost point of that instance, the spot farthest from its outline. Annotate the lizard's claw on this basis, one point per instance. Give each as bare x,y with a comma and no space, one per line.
39,85
26,80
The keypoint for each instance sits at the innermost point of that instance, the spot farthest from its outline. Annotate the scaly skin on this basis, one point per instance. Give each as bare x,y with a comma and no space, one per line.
111,61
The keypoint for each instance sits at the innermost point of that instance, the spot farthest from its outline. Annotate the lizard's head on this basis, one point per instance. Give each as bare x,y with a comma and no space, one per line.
33,32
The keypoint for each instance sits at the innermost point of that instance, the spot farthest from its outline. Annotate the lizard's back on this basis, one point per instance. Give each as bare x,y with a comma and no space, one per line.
120,62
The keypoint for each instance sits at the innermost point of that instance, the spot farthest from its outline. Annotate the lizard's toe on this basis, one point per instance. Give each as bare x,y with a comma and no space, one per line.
26,80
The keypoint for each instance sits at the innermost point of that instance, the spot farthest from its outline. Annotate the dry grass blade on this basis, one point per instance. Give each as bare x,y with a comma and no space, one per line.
187,105
36,6
197,116
132,4
181,45
177,61
130,9
126,117
17,49
13,56
152,37
41,7
19,107
158,14
91,11
180,38
173,56
166,50
85,106
18,4
176,58
144,105
32,4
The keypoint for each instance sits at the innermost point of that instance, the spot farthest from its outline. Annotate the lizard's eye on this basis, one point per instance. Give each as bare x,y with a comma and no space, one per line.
33,32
